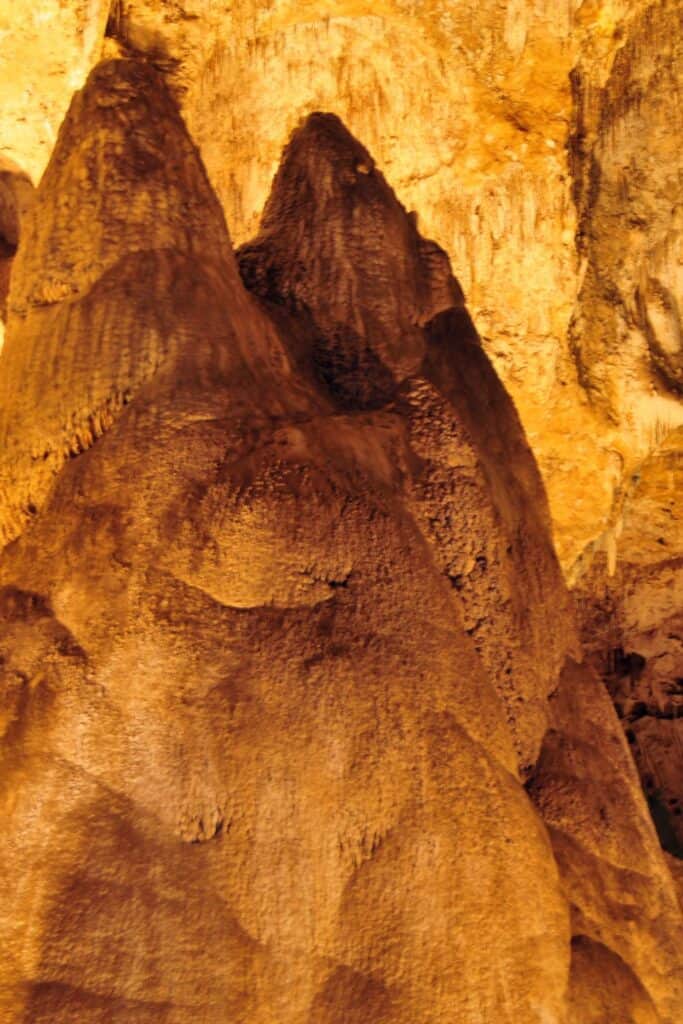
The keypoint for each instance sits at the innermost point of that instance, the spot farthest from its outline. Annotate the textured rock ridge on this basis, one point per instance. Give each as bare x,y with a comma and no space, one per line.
476,480
537,140
249,747
124,210
389,327
587,789
630,203
257,758
331,219
633,628
627,339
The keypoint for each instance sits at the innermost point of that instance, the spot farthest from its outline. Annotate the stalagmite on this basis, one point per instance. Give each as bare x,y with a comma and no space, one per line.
341,631
240,699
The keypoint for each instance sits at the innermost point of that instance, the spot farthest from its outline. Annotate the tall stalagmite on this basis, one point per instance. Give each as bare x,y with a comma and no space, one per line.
282,630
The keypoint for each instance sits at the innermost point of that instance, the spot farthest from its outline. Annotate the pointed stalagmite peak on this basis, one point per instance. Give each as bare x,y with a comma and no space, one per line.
124,178
335,240
125,261
389,330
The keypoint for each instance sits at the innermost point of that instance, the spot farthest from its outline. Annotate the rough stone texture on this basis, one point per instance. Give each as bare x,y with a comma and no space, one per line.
389,328
123,207
537,140
252,762
47,47
603,989
467,110
536,189
630,202
257,762
16,197
632,625
468,115
613,872
627,340
633,630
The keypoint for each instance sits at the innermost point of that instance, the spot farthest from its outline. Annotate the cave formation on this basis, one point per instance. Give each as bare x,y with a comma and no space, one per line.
341,578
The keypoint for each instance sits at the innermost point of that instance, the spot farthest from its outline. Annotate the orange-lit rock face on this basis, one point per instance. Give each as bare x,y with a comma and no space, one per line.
281,626
47,49
16,197
258,757
238,685
124,206
389,329
587,789
568,264
468,116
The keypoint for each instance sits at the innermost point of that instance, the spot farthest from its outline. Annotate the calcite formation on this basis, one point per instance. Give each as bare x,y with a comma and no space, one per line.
538,141
468,113
47,48
127,210
388,311
294,722
588,792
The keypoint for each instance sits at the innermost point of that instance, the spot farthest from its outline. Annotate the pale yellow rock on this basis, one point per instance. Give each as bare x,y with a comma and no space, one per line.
47,47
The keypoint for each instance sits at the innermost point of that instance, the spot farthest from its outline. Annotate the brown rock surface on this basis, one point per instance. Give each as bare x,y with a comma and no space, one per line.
16,198
124,208
630,204
634,632
252,763
559,203
624,903
467,107
468,112
603,989
281,621
633,629
389,328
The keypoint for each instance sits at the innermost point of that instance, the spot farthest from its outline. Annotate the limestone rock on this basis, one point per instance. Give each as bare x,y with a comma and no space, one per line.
280,627
124,207
630,202
48,48
634,633
389,328
471,114
603,988
252,762
468,111
16,198
633,630
536,141
611,864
